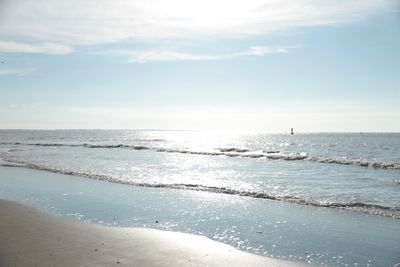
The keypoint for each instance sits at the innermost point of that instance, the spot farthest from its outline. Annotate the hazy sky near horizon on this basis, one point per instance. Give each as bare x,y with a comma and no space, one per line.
250,65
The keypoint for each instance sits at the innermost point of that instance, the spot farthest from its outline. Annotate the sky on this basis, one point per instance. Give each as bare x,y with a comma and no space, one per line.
234,65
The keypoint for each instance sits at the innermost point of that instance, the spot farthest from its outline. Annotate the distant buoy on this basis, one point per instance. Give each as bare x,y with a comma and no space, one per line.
291,131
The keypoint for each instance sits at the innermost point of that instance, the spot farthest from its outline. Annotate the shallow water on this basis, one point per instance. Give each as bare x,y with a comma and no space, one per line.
274,228
358,172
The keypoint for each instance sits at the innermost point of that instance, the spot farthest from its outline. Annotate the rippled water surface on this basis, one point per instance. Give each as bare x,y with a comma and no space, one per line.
355,171
245,185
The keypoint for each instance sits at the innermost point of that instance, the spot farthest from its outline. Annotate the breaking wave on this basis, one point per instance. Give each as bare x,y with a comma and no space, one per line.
234,152
353,206
357,162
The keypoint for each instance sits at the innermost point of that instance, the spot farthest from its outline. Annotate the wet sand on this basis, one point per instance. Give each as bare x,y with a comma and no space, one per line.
32,238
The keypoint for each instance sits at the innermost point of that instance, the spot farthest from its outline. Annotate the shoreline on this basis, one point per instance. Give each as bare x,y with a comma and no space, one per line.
32,238
357,207
285,232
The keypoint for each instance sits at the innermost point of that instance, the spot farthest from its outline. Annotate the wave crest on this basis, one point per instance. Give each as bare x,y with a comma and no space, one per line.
234,152
353,206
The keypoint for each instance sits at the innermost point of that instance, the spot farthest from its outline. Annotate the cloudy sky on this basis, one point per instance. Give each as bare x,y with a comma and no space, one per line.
249,65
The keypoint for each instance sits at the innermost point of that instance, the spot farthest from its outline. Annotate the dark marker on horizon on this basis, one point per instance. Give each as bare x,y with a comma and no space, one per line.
291,131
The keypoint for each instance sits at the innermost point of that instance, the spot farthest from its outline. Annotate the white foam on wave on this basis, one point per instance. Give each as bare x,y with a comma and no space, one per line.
353,206
233,152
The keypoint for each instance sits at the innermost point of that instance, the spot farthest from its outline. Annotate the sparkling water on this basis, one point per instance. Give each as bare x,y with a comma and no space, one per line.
322,198
360,172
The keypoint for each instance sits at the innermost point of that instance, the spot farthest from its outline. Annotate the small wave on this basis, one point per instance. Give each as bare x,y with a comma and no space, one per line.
53,144
103,146
353,206
43,144
14,165
367,208
242,153
233,149
288,156
235,152
185,151
271,151
361,163
79,145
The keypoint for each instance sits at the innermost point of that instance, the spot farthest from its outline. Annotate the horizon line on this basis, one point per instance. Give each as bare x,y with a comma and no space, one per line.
195,130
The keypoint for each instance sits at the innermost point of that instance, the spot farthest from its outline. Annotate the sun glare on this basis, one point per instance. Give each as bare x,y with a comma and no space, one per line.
205,14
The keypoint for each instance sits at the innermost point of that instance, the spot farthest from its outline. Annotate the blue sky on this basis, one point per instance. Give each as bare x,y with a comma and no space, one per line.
255,65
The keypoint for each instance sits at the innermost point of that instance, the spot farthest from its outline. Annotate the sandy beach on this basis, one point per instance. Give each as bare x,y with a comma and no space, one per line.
32,238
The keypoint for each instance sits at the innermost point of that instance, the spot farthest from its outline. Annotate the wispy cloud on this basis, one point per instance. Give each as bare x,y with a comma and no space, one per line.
42,48
146,56
17,72
263,50
168,55
60,24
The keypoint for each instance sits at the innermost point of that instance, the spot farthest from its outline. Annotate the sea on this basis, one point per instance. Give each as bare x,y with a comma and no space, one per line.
320,198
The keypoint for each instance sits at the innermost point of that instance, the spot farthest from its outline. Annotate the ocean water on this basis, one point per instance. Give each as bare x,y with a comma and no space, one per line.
360,172
327,181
